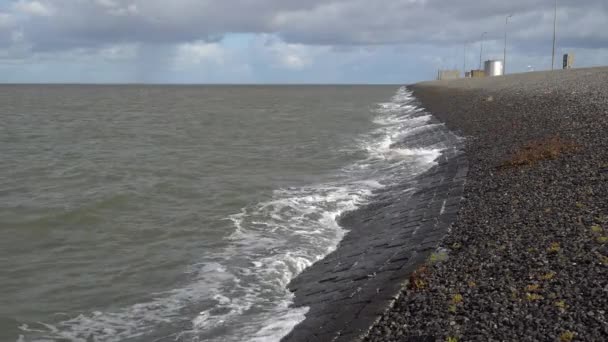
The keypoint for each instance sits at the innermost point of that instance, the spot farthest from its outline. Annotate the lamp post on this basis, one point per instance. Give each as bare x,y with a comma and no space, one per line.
554,34
464,60
504,71
481,49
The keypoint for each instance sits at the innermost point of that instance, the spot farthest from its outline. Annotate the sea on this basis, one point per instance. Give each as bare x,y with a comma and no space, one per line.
181,213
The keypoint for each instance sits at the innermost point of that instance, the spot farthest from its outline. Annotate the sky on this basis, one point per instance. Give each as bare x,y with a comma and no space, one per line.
287,41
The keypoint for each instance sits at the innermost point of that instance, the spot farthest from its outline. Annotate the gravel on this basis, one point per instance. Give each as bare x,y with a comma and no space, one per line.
528,253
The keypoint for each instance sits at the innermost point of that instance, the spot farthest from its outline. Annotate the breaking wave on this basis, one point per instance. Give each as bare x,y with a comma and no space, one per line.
240,293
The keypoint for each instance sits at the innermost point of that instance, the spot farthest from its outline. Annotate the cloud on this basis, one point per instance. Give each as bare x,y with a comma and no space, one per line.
294,36
197,53
313,22
116,8
6,20
289,55
33,8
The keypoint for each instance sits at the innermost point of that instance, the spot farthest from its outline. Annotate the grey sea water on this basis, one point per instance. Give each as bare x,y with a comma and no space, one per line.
163,213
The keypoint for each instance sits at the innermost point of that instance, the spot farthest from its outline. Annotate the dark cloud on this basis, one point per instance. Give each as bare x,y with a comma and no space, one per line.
62,24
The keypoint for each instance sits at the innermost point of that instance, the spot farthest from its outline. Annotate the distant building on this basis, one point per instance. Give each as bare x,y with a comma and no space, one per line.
467,74
478,73
448,74
568,61
493,68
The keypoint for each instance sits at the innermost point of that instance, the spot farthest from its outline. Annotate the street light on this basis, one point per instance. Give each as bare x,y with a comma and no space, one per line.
481,50
505,54
554,29
464,60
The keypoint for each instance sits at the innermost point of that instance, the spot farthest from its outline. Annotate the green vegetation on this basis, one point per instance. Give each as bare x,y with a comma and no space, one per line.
456,245
597,229
533,297
532,288
554,248
457,299
561,304
566,336
438,257
548,276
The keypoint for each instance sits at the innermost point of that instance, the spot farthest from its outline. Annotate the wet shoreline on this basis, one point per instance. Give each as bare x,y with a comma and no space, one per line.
349,290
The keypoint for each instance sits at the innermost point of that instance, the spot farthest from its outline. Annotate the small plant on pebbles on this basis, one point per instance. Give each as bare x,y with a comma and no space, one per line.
533,297
566,336
417,279
560,304
554,248
602,239
548,276
438,257
532,288
451,339
457,299
597,229
603,259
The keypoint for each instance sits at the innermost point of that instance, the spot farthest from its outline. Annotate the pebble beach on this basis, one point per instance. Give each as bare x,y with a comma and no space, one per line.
527,257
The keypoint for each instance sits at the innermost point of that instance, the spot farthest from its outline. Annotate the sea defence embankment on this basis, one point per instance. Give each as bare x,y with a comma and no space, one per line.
521,220
528,253
349,290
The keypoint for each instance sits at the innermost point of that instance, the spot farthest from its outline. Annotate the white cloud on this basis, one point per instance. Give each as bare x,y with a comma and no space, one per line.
116,8
33,8
292,56
198,53
6,20
17,36
119,52
289,56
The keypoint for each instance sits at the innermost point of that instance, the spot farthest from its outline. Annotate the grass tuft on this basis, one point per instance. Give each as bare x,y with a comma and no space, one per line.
566,336
560,304
418,279
438,257
548,276
554,247
533,297
532,288
603,258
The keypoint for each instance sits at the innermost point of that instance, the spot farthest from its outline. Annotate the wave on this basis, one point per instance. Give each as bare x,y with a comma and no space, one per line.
240,293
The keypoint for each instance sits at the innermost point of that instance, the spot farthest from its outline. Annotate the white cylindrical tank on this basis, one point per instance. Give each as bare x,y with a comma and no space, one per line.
494,68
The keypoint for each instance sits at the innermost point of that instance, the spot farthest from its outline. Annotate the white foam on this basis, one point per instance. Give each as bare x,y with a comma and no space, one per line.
272,242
